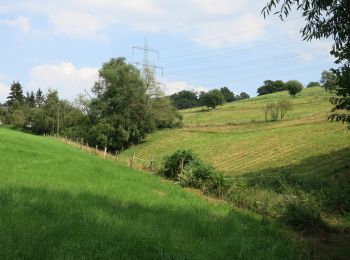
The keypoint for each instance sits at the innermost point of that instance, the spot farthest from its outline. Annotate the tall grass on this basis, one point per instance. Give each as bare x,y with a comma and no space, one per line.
58,203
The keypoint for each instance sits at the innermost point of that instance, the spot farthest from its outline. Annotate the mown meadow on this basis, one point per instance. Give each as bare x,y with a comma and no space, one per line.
58,202
296,169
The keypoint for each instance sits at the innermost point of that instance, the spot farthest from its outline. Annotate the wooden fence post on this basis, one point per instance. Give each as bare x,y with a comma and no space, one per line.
96,149
132,160
116,155
181,165
105,153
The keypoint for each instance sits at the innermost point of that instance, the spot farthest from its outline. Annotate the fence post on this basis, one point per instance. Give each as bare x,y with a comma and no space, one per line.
181,165
116,155
96,149
132,160
105,153
81,143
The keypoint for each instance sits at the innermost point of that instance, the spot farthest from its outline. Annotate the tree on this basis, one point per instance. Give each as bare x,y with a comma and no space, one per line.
326,19
39,98
120,112
271,86
30,99
284,106
16,97
228,94
313,84
213,98
243,95
185,99
328,80
294,87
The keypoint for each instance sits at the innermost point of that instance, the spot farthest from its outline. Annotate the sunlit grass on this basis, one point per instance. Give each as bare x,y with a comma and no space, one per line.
57,202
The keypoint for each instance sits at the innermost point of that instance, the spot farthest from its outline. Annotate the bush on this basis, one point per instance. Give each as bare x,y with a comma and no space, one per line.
301,210
197,174
173,163
185,167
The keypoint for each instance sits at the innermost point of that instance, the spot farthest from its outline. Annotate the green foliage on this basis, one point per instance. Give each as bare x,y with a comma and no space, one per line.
243,96
16,97
276,109
185,99
213,98
301,210
271,86
313,84
165,114
228,94
294,87
329,80
120,109
175,163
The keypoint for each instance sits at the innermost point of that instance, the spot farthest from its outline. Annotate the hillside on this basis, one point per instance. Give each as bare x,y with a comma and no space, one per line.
302,159
57,202
237,141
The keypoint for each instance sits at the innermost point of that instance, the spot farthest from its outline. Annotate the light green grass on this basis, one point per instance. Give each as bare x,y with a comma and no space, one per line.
253,146
57,202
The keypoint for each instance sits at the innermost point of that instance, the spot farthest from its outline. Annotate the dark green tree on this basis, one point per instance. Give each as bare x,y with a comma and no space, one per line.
120,112
294,87
243,95
16,97
213,98
185,99
271,86
313,84
30,99
228,94
325,19
39,98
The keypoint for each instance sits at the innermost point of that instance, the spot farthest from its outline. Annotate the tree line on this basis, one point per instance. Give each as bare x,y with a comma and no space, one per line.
124,107
328,81
213,98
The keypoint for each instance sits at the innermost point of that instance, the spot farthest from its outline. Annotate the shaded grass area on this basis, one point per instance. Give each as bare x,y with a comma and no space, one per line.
57,202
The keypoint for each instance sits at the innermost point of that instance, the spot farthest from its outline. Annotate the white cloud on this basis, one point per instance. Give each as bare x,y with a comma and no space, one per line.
77,24
228,32
4,91
64,77
172,87
197,19
21,22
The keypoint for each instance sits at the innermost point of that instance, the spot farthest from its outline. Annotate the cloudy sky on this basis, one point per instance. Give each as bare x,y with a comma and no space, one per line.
202,44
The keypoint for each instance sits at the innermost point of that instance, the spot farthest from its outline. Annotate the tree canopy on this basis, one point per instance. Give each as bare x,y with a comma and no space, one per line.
294,87
213,98
271,86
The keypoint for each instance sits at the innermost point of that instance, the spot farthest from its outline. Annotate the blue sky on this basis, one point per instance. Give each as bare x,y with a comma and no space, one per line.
203,44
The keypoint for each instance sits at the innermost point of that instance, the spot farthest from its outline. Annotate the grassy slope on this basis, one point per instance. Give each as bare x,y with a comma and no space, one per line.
236,141
58,202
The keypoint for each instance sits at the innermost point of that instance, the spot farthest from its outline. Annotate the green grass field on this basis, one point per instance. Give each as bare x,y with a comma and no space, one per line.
57,202
269,162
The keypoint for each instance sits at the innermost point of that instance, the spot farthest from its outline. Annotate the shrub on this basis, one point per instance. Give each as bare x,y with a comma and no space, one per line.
173,163
197,174
301,210
185,167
